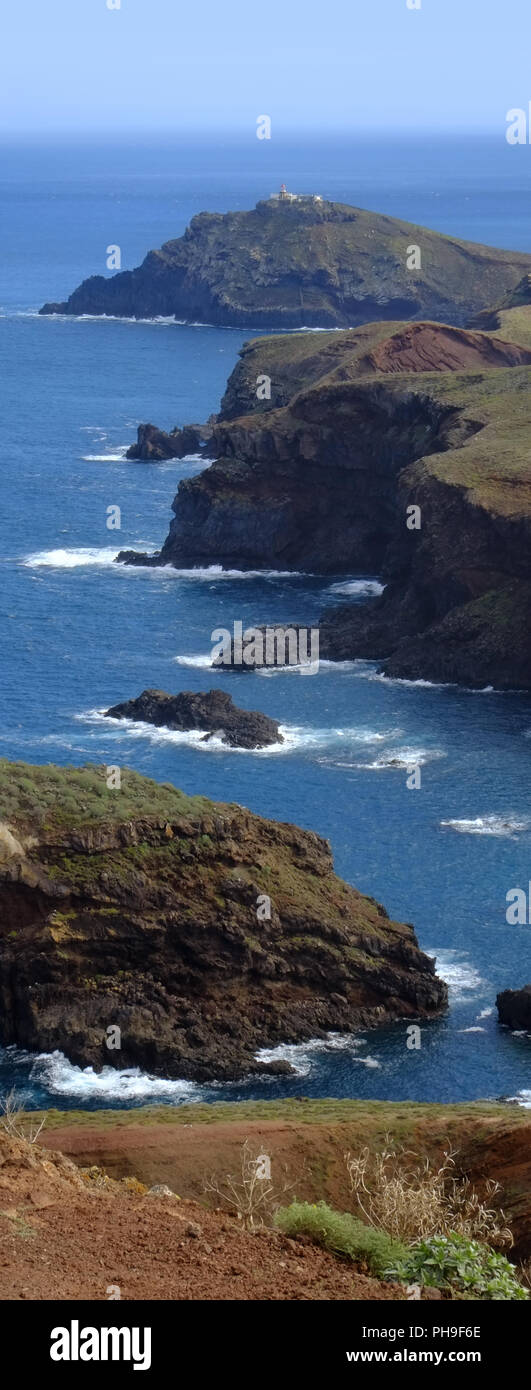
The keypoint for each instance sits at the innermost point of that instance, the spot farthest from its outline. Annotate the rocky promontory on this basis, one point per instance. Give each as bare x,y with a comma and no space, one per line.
213,712
142,927
407,455
308,262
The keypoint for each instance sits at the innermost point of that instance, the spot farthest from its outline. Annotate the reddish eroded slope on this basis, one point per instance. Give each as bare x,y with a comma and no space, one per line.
69,1235
492,1142
430,347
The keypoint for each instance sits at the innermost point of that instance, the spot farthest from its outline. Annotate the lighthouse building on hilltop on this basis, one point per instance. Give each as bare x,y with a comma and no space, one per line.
285,197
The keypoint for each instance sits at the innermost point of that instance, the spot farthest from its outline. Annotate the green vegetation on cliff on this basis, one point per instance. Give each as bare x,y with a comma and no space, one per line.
76,796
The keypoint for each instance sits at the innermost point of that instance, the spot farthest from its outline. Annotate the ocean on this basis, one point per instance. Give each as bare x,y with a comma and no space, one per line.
78,634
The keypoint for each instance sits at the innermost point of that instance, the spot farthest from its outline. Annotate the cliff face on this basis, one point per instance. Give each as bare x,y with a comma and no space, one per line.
312,487
417,415
136,909
303,264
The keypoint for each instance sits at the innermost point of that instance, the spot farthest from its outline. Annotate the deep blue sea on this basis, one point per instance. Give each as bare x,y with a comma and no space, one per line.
78,634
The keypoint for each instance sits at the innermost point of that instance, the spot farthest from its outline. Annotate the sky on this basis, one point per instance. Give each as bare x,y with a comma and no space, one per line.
74,66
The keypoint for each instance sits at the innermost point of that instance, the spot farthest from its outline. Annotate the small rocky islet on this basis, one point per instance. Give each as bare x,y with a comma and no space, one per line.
214,713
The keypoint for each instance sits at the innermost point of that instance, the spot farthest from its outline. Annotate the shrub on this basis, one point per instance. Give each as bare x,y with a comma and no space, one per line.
454,1262
341,1234
250,1193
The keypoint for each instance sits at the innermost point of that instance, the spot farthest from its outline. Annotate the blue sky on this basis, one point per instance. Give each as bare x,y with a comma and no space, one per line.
154,65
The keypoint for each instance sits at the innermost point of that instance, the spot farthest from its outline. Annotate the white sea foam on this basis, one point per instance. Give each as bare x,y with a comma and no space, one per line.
163,319
217,572
301,1056
19,313
460,975
398,759
296,738
70,559
358,735
325,665
489,825
199,661
303,737
291,669
54,1071
117,456
363,587
522,1098
105,556
485,1013
471,1030
137,728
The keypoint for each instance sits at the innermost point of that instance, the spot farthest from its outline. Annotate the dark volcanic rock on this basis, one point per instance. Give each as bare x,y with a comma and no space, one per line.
312,263
326,482
138,910
514,1008
214,711
268,645
154,445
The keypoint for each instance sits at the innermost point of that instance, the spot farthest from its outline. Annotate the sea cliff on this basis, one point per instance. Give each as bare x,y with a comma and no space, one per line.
199,931
379,422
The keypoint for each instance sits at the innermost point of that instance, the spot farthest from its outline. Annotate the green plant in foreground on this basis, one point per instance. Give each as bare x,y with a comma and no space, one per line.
341,1234
455,1262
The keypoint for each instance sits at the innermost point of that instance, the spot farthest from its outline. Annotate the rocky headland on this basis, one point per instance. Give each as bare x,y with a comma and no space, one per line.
213,712
307,263
361,428
142,927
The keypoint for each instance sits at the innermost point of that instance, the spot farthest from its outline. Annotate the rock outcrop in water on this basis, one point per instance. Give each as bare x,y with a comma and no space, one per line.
214,712
307,263
154,445
199,931
391,419
514,1008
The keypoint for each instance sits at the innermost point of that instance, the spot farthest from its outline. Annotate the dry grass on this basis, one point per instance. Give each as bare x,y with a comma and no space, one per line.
413,1200
15,1120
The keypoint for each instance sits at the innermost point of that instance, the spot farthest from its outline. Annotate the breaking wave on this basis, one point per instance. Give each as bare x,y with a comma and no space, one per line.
70,559
199,661
488,825
296,738
398,759
302,1056
522,1098
201,739
363,588
462,978
117,457
62,1078
105,556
